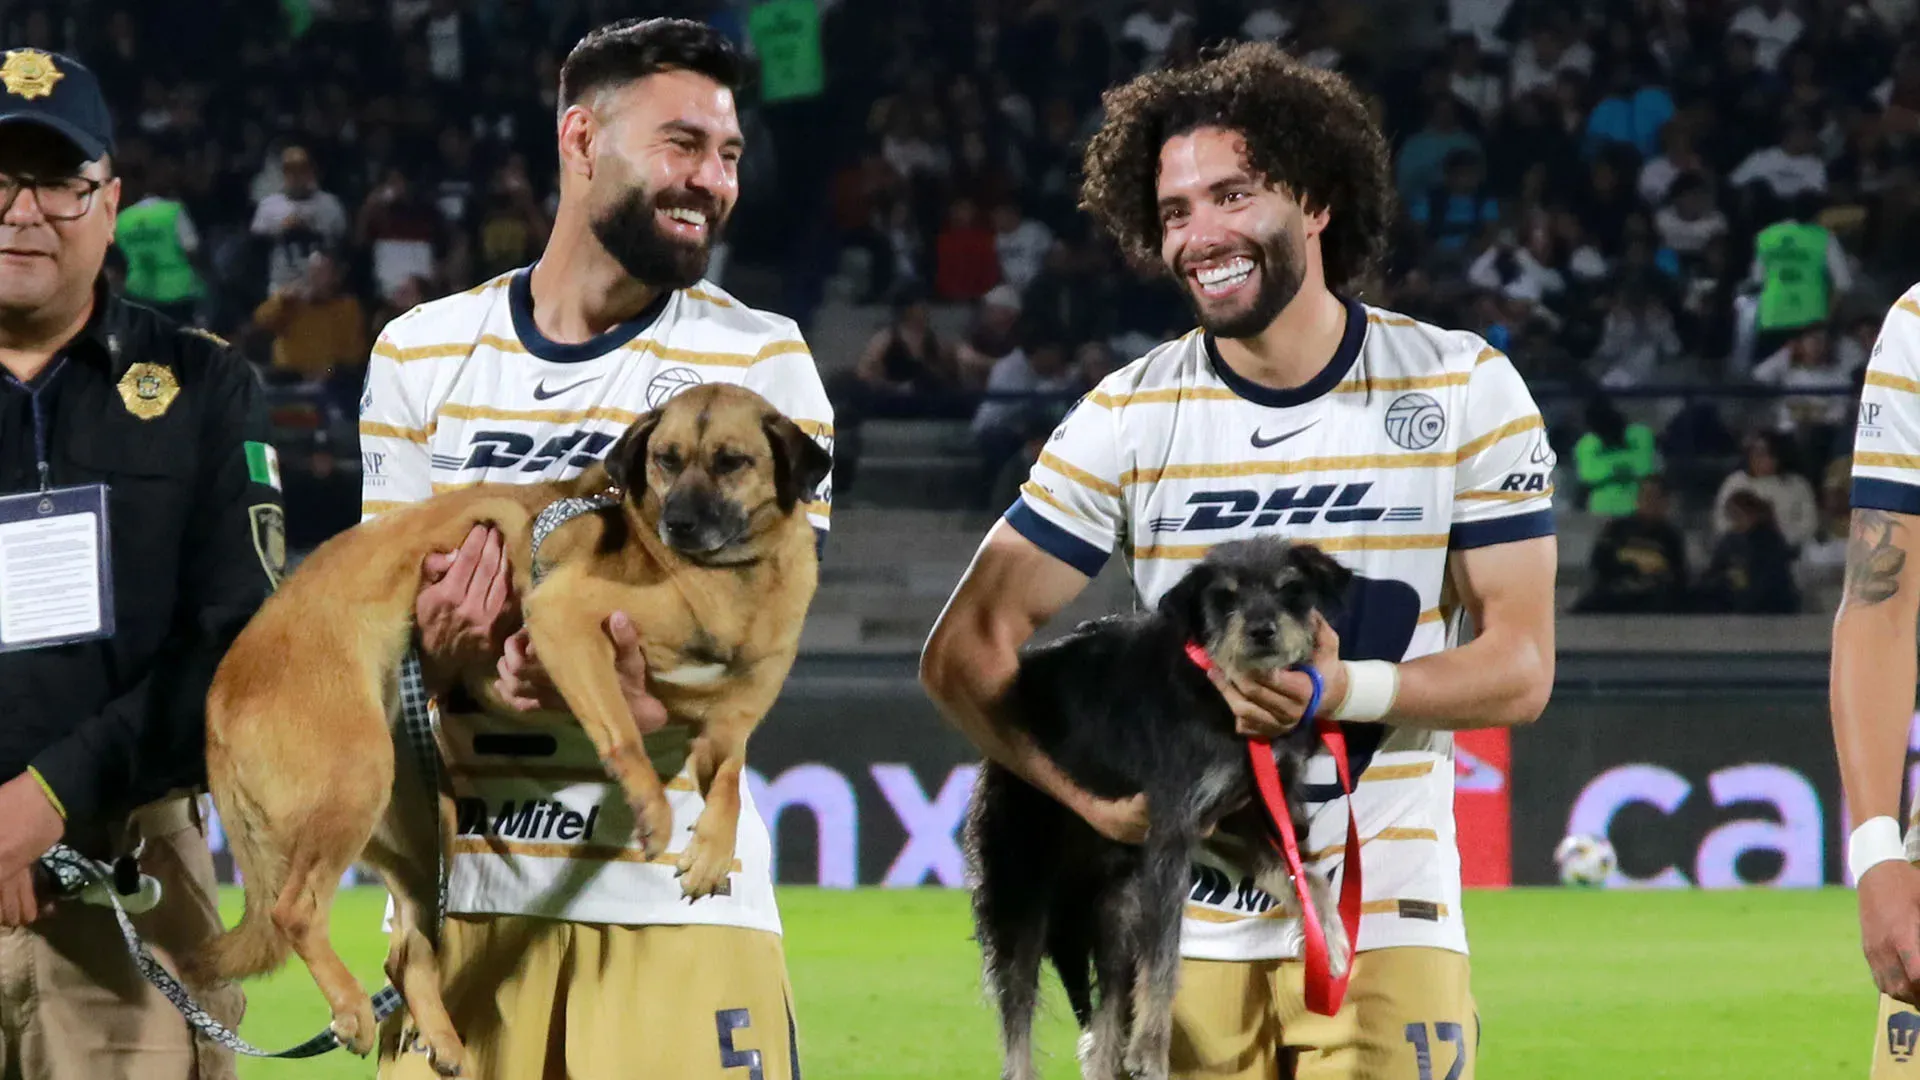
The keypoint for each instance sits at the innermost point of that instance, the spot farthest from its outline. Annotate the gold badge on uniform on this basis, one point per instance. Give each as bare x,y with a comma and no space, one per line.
148,389
270,539
29,73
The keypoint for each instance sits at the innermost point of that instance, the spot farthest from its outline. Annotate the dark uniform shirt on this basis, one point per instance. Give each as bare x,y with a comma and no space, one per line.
196,542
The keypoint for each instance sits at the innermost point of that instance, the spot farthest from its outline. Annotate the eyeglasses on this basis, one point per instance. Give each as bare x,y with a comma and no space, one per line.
64,199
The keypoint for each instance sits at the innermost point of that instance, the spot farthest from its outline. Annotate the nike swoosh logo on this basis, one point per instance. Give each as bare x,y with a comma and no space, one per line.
541,393
1261,444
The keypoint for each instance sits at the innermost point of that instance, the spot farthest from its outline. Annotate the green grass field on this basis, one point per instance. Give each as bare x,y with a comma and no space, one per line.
1571,986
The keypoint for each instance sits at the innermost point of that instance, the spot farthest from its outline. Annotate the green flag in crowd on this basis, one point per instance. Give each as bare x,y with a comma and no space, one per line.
299,16
786,35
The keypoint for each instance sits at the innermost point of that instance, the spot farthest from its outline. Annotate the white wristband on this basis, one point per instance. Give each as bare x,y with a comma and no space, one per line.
1877,840
1371,687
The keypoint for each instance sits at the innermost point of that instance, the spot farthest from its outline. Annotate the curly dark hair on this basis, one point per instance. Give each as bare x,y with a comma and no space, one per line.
1307,131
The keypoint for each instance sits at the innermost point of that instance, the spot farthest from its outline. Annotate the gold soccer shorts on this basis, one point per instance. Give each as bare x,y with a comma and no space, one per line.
538,998
1408,1015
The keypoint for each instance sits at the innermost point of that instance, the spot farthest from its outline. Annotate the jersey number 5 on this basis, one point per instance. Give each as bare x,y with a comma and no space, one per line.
730,1021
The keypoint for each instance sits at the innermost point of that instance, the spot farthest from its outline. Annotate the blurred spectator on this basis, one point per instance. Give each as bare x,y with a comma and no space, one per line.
1828,548
1471,83
1855,347
1637,339
1021,244
1788,170
1069,297
401,232
906,359
513,227
1515,271
1454,215
966,263
1751,572
1690,221
1802,273
1004,424
1540,60
1423,157
1808,363
1773,27
1678,157
319,332
1632,114
1093,362
1148,33
1770,476
1639,563
1612,459
157,236
297,220
993,337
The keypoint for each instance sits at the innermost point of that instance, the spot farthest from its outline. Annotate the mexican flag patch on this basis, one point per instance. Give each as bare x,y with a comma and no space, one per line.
263,464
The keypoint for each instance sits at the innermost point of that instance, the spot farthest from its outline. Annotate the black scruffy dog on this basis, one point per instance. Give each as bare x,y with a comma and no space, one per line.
1122,709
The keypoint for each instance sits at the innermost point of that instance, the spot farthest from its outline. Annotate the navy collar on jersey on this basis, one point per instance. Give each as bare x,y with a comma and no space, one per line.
520,301
1329,376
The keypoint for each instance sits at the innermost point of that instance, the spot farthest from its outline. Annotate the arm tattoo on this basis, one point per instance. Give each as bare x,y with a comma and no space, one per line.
1875,556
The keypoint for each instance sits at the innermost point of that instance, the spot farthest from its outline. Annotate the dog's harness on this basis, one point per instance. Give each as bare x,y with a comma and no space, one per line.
559,513
1324,992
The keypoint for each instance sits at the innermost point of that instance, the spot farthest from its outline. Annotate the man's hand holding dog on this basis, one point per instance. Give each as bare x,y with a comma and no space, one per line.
524,683
465,608
467,615
1271,705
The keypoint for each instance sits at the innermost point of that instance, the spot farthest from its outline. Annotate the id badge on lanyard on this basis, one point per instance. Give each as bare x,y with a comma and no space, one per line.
56,567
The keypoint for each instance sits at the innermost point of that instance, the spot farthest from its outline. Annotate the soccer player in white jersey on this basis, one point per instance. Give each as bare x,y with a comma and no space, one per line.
564,951
1413,454
1873,680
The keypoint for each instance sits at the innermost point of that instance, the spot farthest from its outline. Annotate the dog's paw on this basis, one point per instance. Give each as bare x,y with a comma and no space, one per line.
355,1029
1148,1052
653,825
447,1063
703,869
1339,952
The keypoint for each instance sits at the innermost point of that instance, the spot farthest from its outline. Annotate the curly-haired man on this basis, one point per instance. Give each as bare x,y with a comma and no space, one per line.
1414,454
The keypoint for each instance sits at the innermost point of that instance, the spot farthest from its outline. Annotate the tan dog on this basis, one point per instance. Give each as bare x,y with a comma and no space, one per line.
709,552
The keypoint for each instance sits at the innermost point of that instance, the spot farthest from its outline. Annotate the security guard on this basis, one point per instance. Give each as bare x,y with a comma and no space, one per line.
140,527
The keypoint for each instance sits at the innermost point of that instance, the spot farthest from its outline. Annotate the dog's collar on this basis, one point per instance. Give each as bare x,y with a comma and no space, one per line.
559,513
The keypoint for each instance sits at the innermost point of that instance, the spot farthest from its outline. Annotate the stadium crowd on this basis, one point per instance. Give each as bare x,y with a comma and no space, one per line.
1620,194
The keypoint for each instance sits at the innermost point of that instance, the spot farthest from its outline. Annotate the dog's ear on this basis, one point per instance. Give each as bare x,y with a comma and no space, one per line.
799,463
1184,605
626,462
1325,578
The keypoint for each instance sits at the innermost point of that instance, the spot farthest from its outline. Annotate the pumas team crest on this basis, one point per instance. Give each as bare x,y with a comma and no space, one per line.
1415,421
670,382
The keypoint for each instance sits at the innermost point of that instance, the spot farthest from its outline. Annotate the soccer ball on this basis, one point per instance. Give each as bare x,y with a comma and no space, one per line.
1585,860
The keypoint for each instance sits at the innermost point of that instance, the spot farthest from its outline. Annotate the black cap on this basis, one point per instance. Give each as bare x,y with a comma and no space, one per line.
57,92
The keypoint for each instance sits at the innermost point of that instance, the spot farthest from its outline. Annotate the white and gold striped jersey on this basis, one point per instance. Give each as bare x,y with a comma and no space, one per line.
1886,440
466,389
1412,443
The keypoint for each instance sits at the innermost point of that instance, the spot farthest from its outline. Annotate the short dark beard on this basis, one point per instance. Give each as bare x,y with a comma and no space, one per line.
629,233
1281,275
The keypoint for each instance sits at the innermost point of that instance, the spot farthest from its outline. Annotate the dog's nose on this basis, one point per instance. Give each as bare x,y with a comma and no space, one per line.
1262,633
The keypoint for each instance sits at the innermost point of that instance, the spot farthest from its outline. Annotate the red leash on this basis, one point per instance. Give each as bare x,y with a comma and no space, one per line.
1324,992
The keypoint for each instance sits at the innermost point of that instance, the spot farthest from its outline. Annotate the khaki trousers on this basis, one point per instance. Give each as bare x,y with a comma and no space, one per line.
73,1006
